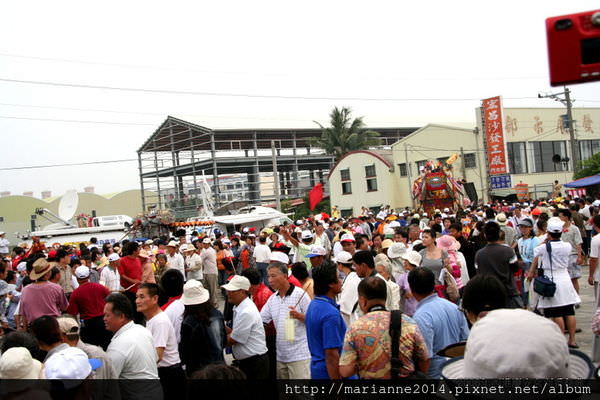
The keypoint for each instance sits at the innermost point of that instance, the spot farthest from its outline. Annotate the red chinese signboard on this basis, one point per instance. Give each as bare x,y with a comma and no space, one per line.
494,136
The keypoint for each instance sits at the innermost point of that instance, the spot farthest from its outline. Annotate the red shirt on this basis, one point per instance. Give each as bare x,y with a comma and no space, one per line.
88,300
132,267
292,279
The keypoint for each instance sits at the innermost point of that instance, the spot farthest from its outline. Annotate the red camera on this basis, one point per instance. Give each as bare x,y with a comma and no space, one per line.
574,48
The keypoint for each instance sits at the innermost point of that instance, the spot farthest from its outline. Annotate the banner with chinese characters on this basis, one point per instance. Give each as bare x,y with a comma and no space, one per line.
494,136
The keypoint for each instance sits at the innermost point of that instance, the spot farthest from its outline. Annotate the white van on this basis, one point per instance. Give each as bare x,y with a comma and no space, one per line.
122,221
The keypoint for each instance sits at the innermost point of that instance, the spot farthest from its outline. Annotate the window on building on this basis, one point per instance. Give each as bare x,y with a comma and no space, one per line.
345,174
370,171
517,157
238,185
346,212
402,169
230,186
371,184
543,152
420,164
346,188
587,148
470,161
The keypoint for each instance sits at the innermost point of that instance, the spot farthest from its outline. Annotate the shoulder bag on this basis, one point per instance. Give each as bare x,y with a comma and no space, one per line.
395,332
543,285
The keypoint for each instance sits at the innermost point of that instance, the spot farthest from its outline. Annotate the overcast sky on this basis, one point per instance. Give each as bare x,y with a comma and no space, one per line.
305,50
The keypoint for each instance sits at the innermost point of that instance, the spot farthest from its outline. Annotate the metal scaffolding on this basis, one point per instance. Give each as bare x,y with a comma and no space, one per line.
237,164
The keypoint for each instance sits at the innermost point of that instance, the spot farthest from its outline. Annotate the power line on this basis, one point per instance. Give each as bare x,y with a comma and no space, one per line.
242,95
76,121
66,165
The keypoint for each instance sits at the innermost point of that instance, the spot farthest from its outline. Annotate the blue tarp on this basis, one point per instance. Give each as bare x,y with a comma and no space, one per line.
583,182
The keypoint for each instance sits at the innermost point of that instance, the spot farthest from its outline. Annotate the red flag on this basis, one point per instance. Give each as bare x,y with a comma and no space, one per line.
315,196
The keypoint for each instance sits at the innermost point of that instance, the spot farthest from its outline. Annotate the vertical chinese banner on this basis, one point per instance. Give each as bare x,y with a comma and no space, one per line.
494,136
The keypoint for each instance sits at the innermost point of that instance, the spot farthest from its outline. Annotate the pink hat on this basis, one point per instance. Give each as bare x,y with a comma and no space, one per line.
447,242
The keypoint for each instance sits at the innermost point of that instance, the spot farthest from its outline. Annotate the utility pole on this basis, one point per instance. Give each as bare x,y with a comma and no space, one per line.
572,140
408,175
275,177
462,164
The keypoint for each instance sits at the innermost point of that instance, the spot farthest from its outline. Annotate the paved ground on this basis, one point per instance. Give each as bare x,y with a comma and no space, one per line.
584,315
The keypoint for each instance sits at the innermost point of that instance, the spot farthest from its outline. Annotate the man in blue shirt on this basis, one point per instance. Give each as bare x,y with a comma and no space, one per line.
325,328
440,321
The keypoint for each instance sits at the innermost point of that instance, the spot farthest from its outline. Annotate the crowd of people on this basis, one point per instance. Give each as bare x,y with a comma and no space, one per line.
387,294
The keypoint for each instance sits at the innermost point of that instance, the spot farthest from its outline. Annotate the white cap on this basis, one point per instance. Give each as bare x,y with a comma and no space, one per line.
69,363
246,230
194,293
238,282
22,266
497,349
299,222
187,247
149,241
206,241
394,224
346,237
17,363
596,203
555,225
316,251
306,235
2,233
172,243
343,257
226,241
413,257
82,272
113,257
280,256
446,210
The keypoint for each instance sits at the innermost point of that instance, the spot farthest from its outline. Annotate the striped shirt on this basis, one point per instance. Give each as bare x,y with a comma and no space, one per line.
277,309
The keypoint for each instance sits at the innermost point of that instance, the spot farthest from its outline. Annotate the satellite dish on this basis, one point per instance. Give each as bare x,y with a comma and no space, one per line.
68,205
556,158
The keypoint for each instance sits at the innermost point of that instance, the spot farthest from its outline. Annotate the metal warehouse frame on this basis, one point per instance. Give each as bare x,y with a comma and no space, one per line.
174,159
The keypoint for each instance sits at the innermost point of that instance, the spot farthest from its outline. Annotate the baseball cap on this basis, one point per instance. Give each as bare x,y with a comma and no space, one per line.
17,363
306,235
22,266
279,256
70,363
68,325
347,238
172,243
555,225
82,272
113,257
596,203
238,282
526,222
496,349
343,257
413,257
316,251
206,241
536,211
149,241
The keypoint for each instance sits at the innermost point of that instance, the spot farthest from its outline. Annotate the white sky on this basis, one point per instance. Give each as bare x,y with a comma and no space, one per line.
339,49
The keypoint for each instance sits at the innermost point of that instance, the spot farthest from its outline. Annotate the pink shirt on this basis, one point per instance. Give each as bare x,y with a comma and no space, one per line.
39,299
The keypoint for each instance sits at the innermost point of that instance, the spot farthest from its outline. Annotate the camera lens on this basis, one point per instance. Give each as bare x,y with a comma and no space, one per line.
563,24
596,19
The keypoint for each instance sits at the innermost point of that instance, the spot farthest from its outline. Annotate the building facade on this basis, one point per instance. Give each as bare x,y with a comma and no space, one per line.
532,136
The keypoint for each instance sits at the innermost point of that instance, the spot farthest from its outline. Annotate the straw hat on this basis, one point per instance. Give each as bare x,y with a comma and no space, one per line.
40,268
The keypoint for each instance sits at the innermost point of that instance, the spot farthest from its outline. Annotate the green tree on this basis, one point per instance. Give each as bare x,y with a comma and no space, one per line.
345,134
589,167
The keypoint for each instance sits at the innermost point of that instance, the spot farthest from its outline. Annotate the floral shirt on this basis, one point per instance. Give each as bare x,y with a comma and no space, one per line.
368,344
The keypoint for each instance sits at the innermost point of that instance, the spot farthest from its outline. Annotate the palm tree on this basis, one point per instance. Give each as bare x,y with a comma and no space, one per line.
344,135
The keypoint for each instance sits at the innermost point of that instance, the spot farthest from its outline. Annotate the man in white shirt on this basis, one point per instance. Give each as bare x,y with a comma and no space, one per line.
247,336
174,258
172,377
109,276
262,255
286,308
3,245
131,350
210,272
348,298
